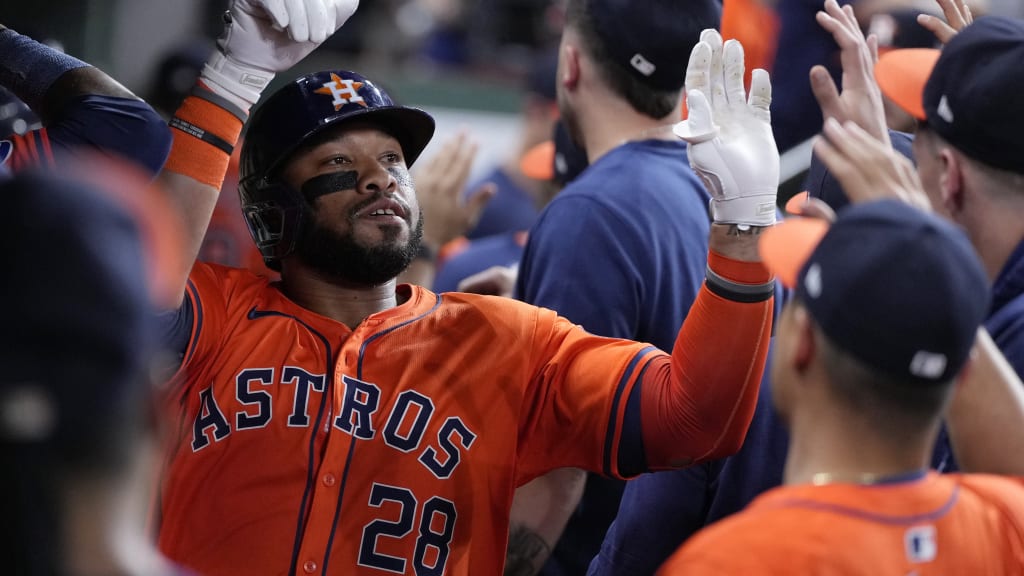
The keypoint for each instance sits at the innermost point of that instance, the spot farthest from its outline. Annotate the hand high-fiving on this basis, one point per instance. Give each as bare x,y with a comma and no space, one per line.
732,148
264,37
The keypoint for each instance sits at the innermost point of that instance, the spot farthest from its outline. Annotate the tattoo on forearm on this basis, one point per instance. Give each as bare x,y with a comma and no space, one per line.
526,551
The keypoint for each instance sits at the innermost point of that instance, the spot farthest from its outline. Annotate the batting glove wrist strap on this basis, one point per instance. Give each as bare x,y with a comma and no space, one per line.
752,210
237,83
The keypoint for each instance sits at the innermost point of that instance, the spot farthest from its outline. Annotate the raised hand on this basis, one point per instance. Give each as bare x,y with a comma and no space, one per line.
866,168
958,15
264,37
731,144
861,99
439,186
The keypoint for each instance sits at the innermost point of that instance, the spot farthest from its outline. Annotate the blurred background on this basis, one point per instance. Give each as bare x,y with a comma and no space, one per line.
468,62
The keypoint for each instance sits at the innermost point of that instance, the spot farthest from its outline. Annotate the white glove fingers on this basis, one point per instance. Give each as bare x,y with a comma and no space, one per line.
698,70
760,99
718,100
277,11
698,126
316,14
732,60
344,9
298,27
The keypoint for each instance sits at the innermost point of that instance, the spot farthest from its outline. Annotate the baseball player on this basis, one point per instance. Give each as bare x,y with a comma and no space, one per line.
886,309
338,423
80,106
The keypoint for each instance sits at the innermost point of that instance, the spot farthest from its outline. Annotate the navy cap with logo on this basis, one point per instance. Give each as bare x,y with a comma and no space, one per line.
899,289
972,98
653,39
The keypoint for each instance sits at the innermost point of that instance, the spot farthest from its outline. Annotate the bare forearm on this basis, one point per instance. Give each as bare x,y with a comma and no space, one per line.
735,242
985,416
540,511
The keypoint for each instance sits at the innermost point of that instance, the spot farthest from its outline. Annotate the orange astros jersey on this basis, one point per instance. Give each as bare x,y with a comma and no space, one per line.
300,446
962,525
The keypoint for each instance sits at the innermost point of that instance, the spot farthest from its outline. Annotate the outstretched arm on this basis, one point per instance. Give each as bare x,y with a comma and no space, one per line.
260,39
698,405
80,106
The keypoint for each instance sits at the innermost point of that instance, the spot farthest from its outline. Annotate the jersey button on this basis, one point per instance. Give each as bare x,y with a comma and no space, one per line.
309,567
329,479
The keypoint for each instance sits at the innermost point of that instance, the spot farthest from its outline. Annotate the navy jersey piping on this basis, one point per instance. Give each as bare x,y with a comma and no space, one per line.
871,516
300,528
352,446
197,309
609,439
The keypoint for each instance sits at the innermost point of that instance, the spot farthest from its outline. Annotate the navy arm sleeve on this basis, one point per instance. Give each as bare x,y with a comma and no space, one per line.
125,127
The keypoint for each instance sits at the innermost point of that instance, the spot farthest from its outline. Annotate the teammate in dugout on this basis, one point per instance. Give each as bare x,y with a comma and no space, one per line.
338,423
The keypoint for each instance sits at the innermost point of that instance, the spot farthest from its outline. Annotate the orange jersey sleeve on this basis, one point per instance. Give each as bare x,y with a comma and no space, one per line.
937,525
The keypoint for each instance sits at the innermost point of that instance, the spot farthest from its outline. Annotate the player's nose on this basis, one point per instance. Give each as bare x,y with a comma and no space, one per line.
375,179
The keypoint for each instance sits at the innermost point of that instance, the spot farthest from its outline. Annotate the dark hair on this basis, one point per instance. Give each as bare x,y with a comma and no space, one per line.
643,98
892,404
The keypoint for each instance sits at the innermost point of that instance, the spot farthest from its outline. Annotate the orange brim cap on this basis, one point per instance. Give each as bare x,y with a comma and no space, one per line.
902,74
795,205
786,247
539,162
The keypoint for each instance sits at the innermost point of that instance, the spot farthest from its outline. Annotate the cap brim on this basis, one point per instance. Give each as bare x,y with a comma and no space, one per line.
412,127
539,162
902,74
795,205
786,247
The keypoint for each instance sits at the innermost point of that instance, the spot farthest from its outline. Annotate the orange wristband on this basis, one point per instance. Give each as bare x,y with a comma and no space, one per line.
204,137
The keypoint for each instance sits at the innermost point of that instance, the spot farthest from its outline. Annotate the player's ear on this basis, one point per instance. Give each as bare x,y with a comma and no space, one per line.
569,69
951,181
806,340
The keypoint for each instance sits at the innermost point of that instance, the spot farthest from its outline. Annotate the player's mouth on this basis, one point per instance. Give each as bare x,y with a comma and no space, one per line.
384,210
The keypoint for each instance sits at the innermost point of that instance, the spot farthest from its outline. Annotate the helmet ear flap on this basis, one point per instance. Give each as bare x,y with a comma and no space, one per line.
275,215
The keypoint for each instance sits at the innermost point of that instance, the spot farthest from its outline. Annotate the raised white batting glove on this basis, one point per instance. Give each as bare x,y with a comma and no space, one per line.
264,37
731,144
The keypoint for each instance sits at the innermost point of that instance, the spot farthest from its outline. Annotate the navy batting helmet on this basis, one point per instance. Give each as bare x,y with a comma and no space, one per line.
297,112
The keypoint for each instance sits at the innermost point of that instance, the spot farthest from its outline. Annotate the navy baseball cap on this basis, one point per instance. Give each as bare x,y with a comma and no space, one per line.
971,96
653,39
820,183
899,289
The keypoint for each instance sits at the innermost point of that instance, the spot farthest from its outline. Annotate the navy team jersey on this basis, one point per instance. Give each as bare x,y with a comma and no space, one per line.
125,127
481,254
510,210
622,251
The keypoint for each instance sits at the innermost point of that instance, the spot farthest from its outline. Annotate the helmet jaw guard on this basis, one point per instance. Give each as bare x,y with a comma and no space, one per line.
275,215
274,211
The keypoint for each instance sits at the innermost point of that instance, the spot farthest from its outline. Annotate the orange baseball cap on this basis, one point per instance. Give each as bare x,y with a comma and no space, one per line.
902,74
539,162
785,247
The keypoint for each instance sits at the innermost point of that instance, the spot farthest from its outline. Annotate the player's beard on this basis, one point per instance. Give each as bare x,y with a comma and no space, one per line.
571,121
341,257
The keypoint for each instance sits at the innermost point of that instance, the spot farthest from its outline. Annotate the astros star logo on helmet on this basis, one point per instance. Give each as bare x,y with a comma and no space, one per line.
343,90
